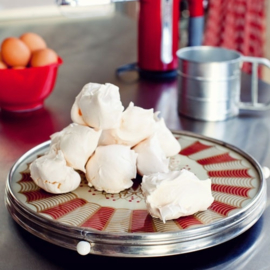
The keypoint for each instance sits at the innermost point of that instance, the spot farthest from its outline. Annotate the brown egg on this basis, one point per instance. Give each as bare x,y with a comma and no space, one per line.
14,52
43,57
18,67
33,41
3,65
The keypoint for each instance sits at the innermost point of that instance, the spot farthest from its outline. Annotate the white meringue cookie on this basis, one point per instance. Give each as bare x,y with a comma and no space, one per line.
167,141
151,158
77,143
136,125
76,114
98,106
175,194
111,168
51,173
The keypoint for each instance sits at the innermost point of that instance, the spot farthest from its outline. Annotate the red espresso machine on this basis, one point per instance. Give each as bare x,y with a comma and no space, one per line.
158,36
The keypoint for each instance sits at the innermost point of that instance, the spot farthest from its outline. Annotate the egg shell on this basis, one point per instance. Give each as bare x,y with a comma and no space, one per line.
43,57
18,67
14,52
33,41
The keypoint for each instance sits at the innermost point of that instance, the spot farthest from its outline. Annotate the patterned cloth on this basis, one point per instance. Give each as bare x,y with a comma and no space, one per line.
237,25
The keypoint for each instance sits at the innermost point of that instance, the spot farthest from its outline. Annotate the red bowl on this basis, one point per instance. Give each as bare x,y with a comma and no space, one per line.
26,89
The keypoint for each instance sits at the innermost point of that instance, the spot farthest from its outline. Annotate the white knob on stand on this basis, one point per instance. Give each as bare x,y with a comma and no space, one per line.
266,172
83,248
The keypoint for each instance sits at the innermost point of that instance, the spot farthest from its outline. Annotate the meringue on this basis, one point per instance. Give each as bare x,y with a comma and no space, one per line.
111,168
136,125
167,141
51,173
151,158
77,143
98,106
175,194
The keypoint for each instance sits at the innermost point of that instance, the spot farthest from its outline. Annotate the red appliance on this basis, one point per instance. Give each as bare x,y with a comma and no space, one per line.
158,38
158,31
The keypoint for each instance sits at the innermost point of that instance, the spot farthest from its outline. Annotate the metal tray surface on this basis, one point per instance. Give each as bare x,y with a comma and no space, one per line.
119,224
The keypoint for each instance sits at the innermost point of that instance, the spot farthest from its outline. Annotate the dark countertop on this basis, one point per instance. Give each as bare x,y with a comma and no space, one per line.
92,49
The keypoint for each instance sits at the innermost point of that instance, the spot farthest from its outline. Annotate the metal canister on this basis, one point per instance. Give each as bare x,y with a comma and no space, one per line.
209,82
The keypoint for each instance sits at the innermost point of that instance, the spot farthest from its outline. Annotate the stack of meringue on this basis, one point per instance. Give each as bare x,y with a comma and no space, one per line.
111,145
106,143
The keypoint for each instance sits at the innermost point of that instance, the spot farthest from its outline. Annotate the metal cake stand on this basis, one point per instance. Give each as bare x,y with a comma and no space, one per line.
238,186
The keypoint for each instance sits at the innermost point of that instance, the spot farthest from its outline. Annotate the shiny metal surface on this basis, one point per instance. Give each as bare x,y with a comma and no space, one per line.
86,47
209,83
137,244
166,31
87,2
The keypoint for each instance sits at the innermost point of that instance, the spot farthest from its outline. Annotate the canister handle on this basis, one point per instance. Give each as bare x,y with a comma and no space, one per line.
254,104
